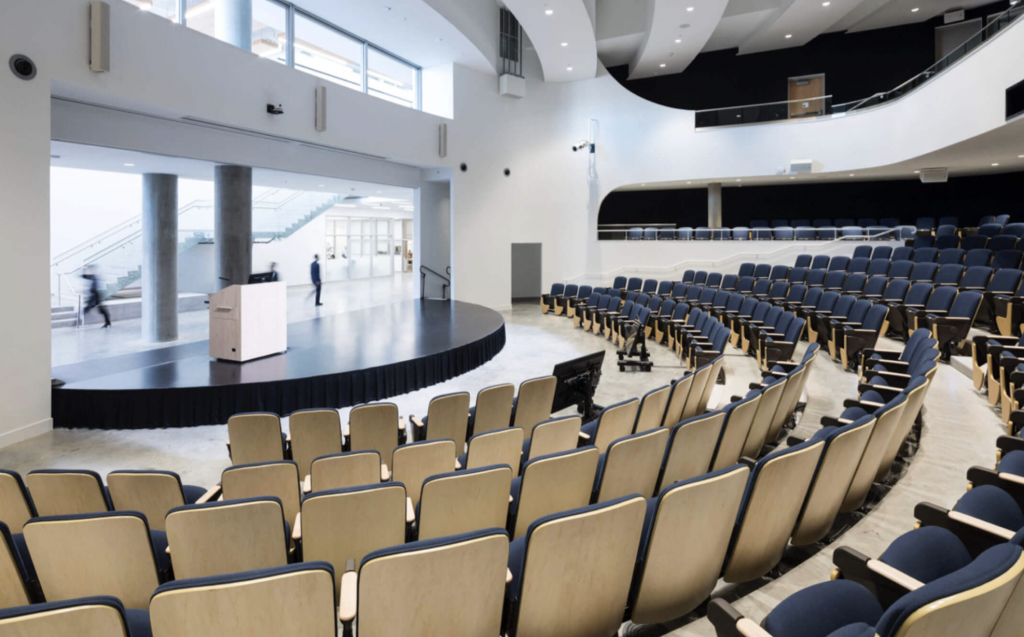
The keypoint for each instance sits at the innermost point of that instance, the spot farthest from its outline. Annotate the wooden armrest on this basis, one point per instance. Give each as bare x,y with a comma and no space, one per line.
345,430
870,403
385,475
585,436
844,421
167,550
347,598
297,529
510,499
211,494
748,628
401,423
307,484
458,465
508,576
981,525
895,575
288,438
410,511
416,422
1010,477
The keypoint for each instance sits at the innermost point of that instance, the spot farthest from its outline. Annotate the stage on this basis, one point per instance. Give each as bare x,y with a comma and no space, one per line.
335,361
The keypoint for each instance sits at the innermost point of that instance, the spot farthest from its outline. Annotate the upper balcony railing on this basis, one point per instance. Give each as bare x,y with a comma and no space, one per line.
823,106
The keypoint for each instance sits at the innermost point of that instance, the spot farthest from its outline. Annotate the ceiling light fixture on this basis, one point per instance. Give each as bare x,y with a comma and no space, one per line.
996,164
565,44
678,40
825,4
548,11
662,65
792,177
915,9
851,174
568,68
1020,156
129,165
689,8
789,35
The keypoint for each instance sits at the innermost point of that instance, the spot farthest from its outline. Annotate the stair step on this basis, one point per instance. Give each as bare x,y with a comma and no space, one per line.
60,316
62,308
63,323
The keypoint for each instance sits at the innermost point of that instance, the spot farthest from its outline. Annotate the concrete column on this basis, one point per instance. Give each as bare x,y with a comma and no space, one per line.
232,224
715,205
233,22
159,257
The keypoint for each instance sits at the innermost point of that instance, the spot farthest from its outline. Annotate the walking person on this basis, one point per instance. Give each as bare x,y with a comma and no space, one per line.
314,274
95,297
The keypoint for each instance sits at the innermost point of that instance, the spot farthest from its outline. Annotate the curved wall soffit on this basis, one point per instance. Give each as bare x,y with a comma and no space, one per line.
677,31
476,21
569,23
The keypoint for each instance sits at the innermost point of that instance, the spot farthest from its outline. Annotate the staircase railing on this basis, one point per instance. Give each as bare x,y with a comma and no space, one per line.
78,298
446,282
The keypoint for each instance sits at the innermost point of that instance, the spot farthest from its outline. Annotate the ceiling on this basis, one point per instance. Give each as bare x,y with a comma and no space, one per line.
359,194
657,37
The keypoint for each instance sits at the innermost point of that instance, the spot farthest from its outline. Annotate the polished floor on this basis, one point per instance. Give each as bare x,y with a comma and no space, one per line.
959,431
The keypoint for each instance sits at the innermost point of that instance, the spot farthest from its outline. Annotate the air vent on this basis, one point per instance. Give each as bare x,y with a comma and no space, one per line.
934,175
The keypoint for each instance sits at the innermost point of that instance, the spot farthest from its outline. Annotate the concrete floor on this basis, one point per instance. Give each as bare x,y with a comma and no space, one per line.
959,431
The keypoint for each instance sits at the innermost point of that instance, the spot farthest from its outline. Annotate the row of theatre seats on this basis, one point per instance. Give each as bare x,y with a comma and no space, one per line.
959,573
583,530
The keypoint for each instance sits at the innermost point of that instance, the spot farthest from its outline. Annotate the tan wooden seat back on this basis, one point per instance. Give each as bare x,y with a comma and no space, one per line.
297,602
12,585
691,448
734,435
652,411
677,401
615,422
1009,622
709,387
493,408
763,417
778,493
374,428
255,438
343,470
555,436
915,400
787,403
106,555
448,419
226,537
555,484
632,465
315,433
536,396
349,524
14,507
687,546
868,467
90,620
453,589
416,462
268,479
832,482
502,446
152,494
578,570
694,406
70,493
464,501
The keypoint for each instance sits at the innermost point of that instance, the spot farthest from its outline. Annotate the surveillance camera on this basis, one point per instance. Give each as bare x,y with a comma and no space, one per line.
580,145
22,66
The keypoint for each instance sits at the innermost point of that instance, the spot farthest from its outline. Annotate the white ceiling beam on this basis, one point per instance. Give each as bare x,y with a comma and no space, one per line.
677,30
798,23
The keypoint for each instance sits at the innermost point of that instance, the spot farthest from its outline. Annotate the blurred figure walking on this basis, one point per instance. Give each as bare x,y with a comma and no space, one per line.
95,299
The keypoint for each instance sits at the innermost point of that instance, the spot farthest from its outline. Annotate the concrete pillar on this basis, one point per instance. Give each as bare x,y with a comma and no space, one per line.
232,224
159,257
233,22
715,205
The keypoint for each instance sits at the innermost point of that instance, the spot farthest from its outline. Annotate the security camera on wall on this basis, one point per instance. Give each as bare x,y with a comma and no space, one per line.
581,145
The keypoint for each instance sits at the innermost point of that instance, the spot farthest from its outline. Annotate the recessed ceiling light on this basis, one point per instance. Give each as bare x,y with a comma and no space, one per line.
917,172
565,44
662,65
129,165
678,40
689,8
568,68
789,35
1020,156
825,4
915,9
380,192
996,164
851,174
321,185
548,11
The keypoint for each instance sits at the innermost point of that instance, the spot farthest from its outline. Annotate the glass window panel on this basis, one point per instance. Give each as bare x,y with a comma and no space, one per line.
163,8
269,30
326,53
391,79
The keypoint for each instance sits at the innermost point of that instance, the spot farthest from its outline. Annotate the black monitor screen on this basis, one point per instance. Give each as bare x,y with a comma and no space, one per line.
577,380
262,277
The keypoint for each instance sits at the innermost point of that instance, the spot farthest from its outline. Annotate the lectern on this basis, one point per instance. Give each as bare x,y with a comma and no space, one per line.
249,321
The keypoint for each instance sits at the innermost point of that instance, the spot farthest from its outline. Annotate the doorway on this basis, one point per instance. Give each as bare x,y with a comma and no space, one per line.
526,271
807,96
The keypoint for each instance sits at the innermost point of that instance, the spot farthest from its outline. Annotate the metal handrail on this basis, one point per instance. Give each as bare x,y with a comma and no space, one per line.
444,286
78,295
730,108
763,256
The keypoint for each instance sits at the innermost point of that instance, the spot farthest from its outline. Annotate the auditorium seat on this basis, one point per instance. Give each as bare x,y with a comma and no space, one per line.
16,506
550,484
701,388
783,233
984,517
501,446
600,315
889,222
825,319
464,501
721,234
314,433
976,277
947,242
1002,242
816,278
729,282
561,301
854,283
650,234
881,252
67,492
834,281
255,437
493,408
741,233
417,461
86,616
344,470
808,298
874,288
109,553
547,301
1006,259
852,231
1006,310
1001,220
17,575
973,242
802,261
858,265
152,493
635,234
1003,282
777,346
939,303
704,352
763,418
925,255
664,289
613,423
661,321
582,294
634,284
805,233
827,233
666,324
533,404
730,433
990,229
820,262
667,234
853,338
447,418
765,314
826,304
702,234
375,427
630,466
923,242
679,560
840,263
586,309
924,271
551,436
684,234
902,253
951,256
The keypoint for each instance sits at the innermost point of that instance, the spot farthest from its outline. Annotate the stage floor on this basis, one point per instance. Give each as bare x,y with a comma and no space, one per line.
334,361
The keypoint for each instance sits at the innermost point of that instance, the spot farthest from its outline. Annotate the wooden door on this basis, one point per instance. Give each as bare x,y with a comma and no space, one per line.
805,90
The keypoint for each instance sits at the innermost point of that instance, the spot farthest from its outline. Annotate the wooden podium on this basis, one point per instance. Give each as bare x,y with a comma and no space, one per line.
249,321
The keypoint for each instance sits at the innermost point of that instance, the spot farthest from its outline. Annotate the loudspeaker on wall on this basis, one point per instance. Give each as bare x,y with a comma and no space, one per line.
320,114
99,37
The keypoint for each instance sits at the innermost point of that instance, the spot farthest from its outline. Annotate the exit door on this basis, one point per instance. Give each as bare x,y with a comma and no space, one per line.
807,96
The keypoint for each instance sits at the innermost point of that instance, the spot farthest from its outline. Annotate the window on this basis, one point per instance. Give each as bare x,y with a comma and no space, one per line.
270,30
327,53
163,8
359,248
391,79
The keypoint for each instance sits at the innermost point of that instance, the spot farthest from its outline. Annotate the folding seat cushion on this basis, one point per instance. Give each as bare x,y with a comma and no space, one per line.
802,261
951,328
990,229
650,234
374,427
635,234
778,290
729,282
925,255
15,571
902,253
501,446
761,288
949,274
839,263
1014,230
1002,242
700,277
703,382
938,302
741,233
783,233
976,277
945,230
679,291
705,352
447,419
343,470
614,422
16,505
889,222
1006,259
652,409
852,339
947,242
714,280
816,278
594,547
874,288
820,262
974,242
551,436
805,233
690,448
862,252
703,234
924,271
951,256
835,280
110,553
464,501
255,437
1001,220
878,267
782,348
552,483
828,233
86,616
684,234
547,301
67,491
923,242
795,295
881,252
762,271
858,265
768,514
631,466
153,493
746,269
679,560
844,448
533,404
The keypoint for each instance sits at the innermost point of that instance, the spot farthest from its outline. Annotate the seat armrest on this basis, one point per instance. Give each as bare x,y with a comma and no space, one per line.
981,525
894,575
211,494
748,628
297,527
416,422
458,465
584,436
401,423
348,596
385,475
410,511
508,576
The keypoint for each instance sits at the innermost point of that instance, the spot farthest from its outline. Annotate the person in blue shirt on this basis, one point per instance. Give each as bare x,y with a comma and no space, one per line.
314,274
